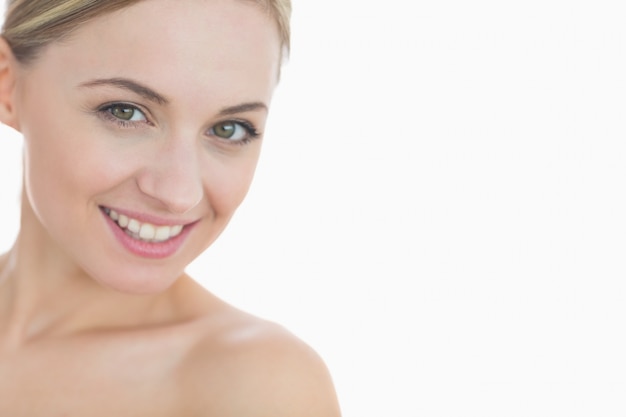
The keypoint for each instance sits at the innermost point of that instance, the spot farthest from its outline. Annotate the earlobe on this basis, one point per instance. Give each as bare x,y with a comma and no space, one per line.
8,66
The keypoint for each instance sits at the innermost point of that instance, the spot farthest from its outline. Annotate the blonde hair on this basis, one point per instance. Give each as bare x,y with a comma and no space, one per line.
30,25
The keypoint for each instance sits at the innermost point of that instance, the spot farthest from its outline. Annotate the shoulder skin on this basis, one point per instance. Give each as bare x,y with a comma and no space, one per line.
255,368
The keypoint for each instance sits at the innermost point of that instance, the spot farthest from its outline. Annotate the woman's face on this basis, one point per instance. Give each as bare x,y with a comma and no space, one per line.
141,134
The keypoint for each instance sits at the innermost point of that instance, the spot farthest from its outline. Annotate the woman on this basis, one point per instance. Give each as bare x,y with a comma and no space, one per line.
142,123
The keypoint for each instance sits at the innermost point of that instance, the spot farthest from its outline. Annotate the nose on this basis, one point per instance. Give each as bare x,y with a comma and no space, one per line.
172,177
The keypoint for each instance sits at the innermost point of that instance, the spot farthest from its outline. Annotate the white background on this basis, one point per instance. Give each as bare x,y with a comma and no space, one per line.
439,209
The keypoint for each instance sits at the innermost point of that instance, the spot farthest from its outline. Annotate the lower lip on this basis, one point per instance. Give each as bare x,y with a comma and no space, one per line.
145,249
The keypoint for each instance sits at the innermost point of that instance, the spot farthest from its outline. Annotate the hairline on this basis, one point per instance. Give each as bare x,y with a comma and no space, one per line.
38,48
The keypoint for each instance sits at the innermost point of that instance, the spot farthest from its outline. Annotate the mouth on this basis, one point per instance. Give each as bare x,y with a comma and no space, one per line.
142,231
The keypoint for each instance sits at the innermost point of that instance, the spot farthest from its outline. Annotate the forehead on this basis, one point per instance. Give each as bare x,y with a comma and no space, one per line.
180,45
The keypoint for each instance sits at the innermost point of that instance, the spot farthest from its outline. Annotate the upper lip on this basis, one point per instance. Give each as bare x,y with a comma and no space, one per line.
150,218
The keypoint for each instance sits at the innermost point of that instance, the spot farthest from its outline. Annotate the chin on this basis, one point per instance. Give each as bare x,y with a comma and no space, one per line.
137,282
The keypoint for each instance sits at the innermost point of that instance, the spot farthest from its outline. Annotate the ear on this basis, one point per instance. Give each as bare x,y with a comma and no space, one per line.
8,78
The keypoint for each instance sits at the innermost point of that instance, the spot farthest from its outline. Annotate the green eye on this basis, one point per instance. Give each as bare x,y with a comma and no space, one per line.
229,130
239,132
126,113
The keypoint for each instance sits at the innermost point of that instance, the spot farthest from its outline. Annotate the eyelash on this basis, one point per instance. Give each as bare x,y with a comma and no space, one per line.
105,111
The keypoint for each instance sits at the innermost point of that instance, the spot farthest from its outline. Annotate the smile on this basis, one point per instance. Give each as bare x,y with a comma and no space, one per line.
146,232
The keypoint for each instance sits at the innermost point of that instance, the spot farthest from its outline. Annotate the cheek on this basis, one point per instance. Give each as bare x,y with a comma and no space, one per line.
63,173
47,164
226,183
66,158
55,142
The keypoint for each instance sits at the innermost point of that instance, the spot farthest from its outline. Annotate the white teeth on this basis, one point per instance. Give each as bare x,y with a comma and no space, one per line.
162,233
134,226
123,221
144,231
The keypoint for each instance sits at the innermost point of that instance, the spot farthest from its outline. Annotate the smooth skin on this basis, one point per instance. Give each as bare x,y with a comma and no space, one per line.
89,328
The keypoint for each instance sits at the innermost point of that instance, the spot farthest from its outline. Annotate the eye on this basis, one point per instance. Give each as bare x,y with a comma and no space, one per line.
233,131
229,130
126,112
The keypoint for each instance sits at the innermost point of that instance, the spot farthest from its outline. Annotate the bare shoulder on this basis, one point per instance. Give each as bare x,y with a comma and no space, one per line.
246,366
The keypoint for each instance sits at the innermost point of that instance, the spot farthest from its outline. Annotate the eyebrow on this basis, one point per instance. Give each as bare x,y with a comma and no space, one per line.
130,85
242,108
150,94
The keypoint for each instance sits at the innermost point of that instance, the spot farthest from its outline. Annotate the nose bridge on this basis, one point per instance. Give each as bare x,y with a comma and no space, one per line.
172,176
